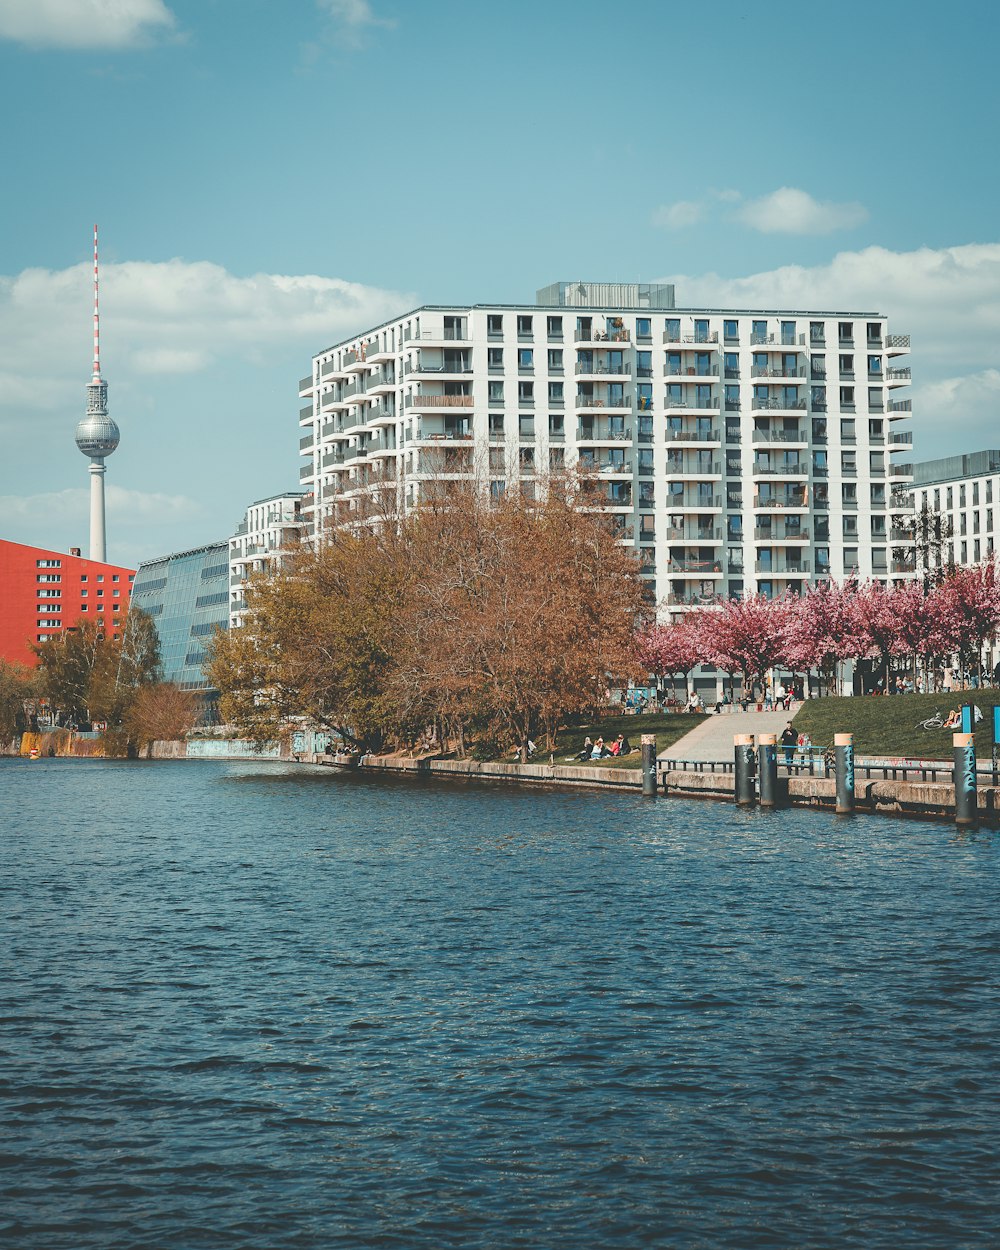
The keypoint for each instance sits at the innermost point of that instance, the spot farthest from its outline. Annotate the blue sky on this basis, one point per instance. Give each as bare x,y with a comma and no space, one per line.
270,177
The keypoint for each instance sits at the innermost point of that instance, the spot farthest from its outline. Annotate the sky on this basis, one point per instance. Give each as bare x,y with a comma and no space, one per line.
272,176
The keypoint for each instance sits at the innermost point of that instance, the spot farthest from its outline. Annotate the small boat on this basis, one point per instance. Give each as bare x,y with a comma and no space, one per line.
34,754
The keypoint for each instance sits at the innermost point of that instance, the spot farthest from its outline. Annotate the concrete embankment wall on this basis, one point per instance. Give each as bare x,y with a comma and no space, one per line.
902,798
618,778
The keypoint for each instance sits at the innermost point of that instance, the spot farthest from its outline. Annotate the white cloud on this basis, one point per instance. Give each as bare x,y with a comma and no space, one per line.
678,215
162,318
77,24
68,506
353,19
791,211
947,299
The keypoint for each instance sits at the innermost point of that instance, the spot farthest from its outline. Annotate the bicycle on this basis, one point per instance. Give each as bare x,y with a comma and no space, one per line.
932,722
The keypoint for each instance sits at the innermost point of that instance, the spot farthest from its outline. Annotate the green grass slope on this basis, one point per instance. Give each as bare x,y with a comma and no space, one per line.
887,726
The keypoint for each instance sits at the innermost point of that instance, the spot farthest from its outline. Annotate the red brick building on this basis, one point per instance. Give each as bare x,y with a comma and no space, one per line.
43,592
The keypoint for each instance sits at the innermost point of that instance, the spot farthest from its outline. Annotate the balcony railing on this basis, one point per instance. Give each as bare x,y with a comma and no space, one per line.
787,405
592,401
692,436
777,340
798,468
599,370
705,336
897,340
758,371
780,436
438,401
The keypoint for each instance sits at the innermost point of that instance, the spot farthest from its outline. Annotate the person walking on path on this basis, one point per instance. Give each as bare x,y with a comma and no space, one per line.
789,741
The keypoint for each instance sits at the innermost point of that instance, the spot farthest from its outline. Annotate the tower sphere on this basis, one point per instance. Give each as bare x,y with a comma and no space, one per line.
97,435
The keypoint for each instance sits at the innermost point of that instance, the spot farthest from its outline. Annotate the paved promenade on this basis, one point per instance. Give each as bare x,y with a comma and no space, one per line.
712,739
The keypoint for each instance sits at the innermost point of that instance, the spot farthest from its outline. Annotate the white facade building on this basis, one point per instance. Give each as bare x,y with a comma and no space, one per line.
964,492
738,450
270,530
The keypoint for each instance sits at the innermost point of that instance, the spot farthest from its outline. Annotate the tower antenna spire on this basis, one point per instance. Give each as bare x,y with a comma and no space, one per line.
97,318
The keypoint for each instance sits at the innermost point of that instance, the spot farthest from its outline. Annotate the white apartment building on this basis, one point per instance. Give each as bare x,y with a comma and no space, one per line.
963,493
269,532
737,450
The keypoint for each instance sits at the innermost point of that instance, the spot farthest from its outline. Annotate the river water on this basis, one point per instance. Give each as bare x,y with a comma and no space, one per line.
251,1005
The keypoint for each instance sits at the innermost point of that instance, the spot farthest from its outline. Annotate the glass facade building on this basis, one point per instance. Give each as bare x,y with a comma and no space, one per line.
187,595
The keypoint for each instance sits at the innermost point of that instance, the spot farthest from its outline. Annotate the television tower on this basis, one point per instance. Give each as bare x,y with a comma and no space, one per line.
97,436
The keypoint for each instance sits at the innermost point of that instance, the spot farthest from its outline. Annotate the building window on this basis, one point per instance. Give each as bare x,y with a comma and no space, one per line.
525,392
524,324
847,397
555,392
555,360
494,358
494,323
525,358
555,329
845,331
643,328
495,392
731,331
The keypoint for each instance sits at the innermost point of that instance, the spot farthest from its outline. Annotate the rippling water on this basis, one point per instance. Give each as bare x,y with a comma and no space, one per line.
254,1006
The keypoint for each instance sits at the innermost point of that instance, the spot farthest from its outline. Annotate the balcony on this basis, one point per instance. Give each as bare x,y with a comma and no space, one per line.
692,436
438,401
897,377
901,442
305,384
602,432
444,334
781,568
693,600
689,466
616,403
901,470
899,405
784,503
595,335
693,534
895,344
677,373
781,436
694,503
690,566
306,441
703,337
690,402
778,405
792,375
779,535
796,468
779,342
601,369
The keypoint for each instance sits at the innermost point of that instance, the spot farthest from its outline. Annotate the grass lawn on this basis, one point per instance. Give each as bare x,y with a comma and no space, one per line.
886,726
668,727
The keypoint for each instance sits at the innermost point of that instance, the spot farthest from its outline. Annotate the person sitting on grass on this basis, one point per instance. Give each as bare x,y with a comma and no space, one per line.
584,753
600,751
954,720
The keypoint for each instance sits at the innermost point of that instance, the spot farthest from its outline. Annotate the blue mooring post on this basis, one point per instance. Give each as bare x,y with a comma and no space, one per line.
649,766
744,770
767,769
843,746
966,796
